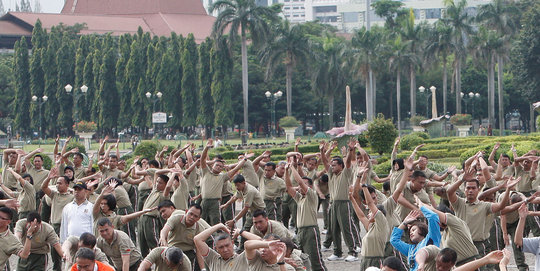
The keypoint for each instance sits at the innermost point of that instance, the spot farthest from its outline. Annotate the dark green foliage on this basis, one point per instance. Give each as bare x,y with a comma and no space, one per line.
206,104
22,87
147,149
189,82
75,144
66,75
108,93
409,142
48,62
423,135
37,84
381,134
221,67
124,91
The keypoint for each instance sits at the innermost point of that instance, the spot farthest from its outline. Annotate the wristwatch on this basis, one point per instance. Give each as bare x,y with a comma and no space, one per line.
29,237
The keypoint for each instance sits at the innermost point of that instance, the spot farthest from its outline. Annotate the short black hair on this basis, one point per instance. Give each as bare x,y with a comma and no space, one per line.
370,189
309,180
448,255
104,221
386,186
324,178
113,156
166,203
422,228
26,175
506,155
154,163
239,179
196,206
271,164
33,216
473,180
260,212
271,236
7,211
174,255
88,239
418,173
38,155
79,155
394,263
339,161
220,237
111,201
85,253
164,178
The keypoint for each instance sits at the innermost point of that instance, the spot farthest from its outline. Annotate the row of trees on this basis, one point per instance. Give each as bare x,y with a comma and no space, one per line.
207,84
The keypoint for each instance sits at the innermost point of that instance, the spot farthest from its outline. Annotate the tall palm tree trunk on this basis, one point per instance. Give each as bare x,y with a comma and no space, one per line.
412,75
245,80
398,99
373,81
369,100
331,110
500,78
445,86
458,86
289,72
491,85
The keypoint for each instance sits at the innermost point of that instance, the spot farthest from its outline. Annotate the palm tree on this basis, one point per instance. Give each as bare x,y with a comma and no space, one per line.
440,44
241,17
399,57
290,43
457,18
328,76
366,43
497,16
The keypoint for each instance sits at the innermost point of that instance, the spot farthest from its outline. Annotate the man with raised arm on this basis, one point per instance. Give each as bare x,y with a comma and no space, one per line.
272,187
212,181
307,200
473,211
340,177
265,255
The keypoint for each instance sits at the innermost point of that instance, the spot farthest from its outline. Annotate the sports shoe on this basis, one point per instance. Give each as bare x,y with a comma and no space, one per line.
323,249
324,231
357,249
351,258
334,258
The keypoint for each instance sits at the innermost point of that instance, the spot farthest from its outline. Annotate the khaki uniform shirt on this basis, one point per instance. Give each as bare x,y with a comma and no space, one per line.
41,240
258,264
193,179
180,195
458,237
306,214
74,240
339,184
144,185
107,173
38,175
395,177
507,171
180,235
214,261
27,198
526,184
374,242
226,189
248,171
153,200
409,196
10,245
251,198
513,216
58,202
122,197
274,227
474,214
157,257
212,184
390,206
120,245
9,180
272,188
430,264
116,221
322,186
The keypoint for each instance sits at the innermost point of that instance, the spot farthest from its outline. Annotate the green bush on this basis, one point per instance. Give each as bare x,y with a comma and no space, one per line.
147,149
415,121
423,135
409,142
383,169
75,144
381,134
288,121
362,140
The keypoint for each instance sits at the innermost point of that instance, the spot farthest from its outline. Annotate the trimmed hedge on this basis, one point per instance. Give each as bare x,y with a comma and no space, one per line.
410,141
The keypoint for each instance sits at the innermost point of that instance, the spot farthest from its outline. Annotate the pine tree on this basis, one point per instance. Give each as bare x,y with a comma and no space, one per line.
206,105
88,78
48,62
189,82
22,87
39,36
66,75
135,81
37,84
124,91
221,68
108,114
168,82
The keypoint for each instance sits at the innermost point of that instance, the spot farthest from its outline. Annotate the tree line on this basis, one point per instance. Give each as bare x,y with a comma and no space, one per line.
209,83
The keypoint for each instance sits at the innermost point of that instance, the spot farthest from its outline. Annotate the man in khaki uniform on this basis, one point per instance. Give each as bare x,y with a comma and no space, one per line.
10,158
340,177
416,187
86,240
42,240
166,258
212,181
272,187
10,244
263,226
262,255
308,231
27,195
38,173
473,211
224,257
59,199
180,230
432,258
118,246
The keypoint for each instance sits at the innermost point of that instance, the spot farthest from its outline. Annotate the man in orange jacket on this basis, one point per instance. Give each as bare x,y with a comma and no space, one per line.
85,260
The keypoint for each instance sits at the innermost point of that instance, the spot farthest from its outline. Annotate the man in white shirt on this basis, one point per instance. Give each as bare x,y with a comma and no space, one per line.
77,215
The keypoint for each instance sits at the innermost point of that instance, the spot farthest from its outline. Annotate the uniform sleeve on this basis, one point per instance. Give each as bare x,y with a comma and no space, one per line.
530,245
389,205
434,230
347,174
458,204
432,252
186,263
212,256
52,237
172,221
297,197
248,200
14,247
125,246
21,224
154,255
395,240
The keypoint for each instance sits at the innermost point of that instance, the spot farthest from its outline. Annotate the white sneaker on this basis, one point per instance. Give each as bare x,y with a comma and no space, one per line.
351,258
324,231
334,258
323,249
357,249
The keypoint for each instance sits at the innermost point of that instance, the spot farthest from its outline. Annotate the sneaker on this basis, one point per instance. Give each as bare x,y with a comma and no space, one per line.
324,249
357,249
334,258
292,228
324,231
351,258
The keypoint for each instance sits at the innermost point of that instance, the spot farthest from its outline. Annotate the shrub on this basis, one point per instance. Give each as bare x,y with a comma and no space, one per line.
461,119
75,144
383,168
415,121
410,141
288,121
147,149
381,134
538,123
423,135
85,126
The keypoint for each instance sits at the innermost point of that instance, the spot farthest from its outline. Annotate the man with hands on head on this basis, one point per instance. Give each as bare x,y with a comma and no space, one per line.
166,259
264,255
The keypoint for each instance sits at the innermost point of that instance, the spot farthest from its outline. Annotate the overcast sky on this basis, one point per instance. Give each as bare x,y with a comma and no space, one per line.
48,6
